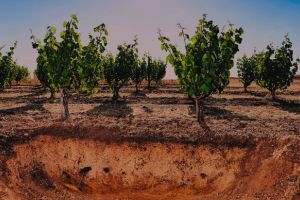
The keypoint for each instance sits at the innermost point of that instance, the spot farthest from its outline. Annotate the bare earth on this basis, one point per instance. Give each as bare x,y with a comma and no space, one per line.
150,146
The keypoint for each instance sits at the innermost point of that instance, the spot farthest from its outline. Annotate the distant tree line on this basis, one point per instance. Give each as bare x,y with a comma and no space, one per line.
127,66
9,69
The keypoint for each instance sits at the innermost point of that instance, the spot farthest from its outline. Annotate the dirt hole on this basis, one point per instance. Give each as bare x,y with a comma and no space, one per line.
106,169
73,168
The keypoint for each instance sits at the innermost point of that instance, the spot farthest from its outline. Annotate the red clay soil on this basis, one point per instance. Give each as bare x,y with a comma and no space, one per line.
98,164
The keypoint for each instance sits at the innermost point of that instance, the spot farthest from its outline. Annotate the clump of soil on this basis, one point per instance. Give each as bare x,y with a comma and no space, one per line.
65,166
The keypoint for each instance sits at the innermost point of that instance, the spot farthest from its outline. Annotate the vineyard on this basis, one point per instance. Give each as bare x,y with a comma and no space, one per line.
94,125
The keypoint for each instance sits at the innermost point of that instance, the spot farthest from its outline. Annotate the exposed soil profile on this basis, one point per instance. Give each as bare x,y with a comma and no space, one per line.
61,166
150,147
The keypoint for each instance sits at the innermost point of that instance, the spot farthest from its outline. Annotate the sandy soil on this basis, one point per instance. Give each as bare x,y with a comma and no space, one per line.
250,150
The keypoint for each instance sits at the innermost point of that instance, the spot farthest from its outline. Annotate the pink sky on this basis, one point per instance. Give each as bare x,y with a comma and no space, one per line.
264,21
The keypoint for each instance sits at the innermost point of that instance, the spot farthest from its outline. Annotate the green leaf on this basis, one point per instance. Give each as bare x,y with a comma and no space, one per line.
105,31
204,89
191,91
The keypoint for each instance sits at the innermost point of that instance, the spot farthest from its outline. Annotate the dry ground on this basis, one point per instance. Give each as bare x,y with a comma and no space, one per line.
165,111
150,146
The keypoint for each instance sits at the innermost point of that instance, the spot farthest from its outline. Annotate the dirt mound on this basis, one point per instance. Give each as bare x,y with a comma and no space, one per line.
54,167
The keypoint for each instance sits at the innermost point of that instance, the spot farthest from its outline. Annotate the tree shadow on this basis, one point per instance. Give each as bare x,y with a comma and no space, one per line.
238,101
290,106
138,94
258,93
132,99
14,90
110,109
170,100
219,113
234,92
234,87
21,88
289,92
36,105
279,92
161,90
38,91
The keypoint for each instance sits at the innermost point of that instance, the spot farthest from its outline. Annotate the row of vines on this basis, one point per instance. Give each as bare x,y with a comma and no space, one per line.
203,67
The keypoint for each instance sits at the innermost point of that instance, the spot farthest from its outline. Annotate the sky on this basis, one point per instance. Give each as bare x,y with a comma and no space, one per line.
264,22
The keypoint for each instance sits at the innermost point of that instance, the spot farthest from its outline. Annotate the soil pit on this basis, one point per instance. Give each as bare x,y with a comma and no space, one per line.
54,167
